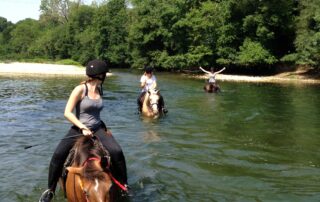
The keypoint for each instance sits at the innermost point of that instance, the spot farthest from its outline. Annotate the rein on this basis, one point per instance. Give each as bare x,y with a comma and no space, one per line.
91,159
151,104
121,186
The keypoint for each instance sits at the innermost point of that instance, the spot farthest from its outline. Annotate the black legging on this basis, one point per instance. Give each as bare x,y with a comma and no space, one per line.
118,163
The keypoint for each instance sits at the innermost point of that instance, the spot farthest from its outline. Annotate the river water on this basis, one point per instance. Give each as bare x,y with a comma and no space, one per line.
251,142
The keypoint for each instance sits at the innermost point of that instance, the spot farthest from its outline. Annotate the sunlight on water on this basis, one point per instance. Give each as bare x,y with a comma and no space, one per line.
251,142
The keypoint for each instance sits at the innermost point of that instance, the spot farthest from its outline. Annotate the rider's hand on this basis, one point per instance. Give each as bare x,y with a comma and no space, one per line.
86,132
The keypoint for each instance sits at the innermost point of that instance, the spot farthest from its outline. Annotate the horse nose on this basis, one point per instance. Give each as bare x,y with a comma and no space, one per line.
155,108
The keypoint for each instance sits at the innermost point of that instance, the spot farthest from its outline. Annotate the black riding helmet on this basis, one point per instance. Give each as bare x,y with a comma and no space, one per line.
148,70
95,68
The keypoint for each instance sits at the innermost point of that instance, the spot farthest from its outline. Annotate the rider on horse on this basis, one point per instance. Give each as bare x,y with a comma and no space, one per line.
212,74
86,99
211,85
148,81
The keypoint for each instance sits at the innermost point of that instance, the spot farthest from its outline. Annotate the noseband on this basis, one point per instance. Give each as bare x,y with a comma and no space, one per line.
153,103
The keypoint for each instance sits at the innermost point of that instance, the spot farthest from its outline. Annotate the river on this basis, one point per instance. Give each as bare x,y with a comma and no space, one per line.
251,142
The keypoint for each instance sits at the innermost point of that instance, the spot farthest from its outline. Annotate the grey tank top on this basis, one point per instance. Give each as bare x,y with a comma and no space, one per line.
88,111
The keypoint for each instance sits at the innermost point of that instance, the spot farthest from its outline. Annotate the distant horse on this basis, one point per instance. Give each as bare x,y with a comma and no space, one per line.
152,104
86,180
211,87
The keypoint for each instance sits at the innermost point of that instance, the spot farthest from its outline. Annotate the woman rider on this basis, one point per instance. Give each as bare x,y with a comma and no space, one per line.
149,81
212,74
86,99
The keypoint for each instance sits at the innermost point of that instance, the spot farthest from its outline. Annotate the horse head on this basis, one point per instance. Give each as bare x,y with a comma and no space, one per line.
154,97
86,180
211,88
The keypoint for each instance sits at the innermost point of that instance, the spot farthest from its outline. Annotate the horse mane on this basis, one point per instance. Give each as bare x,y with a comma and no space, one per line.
85,148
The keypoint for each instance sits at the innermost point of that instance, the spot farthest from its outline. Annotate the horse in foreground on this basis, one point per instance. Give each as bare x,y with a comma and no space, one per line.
211,88
86,180
152,104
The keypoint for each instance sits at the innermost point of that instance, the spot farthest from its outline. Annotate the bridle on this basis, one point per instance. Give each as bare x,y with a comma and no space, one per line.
151,104
80,180
121,186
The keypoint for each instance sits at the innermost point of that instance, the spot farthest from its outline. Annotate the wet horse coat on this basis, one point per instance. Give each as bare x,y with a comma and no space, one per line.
86,179
152,104
211,87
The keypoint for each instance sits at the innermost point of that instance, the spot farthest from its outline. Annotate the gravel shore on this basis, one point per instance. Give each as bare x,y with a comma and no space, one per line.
42,69
36,69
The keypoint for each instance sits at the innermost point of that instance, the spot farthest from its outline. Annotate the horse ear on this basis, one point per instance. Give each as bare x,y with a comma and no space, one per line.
75,170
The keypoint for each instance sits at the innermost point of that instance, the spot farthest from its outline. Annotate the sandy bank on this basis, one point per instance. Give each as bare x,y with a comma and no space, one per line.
42,69
295,77
36,69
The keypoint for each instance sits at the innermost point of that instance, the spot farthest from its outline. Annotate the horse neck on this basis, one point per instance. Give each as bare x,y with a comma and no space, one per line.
84,151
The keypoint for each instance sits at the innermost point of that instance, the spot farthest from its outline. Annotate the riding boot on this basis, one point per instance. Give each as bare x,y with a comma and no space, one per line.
46,196
54,175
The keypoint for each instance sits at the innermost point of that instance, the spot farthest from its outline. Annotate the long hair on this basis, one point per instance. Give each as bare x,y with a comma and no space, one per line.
87,80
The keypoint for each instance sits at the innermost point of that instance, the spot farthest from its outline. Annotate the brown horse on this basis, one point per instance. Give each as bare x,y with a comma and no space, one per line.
86,180
211,88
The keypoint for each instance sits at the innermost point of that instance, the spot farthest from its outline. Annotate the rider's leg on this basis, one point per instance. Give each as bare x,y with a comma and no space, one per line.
162,105
118,163
57,161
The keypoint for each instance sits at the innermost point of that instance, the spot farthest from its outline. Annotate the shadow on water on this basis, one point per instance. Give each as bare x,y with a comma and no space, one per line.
251,142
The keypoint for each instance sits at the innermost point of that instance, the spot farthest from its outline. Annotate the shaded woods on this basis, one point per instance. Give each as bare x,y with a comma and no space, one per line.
170,34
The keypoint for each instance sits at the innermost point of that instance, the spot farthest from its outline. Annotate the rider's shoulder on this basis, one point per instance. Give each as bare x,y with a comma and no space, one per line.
79,89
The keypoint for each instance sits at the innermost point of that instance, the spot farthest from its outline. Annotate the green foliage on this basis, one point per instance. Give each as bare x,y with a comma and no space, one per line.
5,36
82,34
112,25
23,35
169,34
252,54
68,62
308,33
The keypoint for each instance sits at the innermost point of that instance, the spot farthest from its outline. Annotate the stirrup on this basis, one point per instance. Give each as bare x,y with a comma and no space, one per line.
46,196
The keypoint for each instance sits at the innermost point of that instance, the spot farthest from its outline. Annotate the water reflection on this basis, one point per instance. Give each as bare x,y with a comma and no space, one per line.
151,136
252,142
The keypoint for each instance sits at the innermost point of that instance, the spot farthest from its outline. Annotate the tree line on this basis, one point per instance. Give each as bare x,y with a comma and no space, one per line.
170,34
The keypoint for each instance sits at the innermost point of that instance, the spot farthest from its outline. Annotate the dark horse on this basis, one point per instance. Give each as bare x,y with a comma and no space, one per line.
86,179
211,87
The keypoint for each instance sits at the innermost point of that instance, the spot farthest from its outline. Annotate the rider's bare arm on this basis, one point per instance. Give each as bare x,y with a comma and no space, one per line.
204,70
74,98
154,85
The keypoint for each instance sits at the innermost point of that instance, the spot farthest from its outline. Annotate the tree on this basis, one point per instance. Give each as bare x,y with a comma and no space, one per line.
57,10
5,36
83,33
111,24
307,42
23,35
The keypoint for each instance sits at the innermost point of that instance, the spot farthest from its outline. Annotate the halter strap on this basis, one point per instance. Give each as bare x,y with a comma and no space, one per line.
121,186
90,159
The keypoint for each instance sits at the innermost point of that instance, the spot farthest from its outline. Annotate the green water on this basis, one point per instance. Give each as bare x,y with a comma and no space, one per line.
251,142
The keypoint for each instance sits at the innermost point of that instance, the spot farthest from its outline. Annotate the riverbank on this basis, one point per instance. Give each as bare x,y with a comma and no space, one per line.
307,76
36,69
299,76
